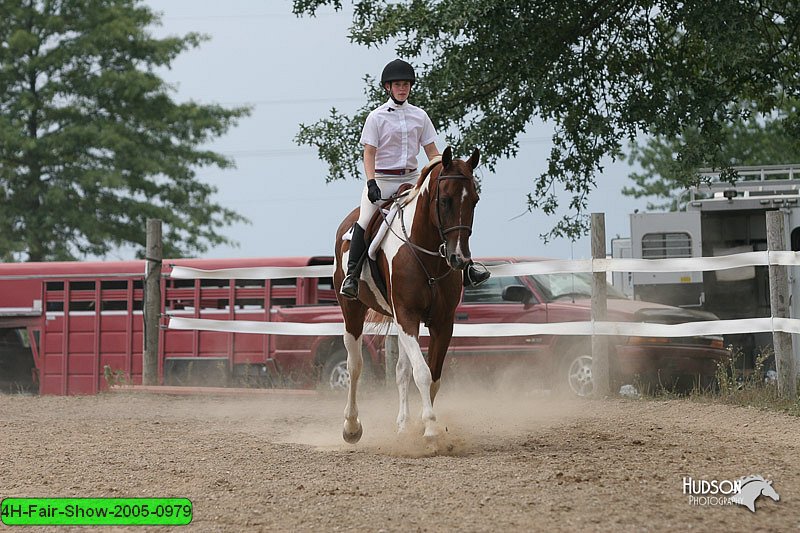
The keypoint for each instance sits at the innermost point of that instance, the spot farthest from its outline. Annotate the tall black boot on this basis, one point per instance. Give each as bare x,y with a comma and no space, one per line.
473,276
357,248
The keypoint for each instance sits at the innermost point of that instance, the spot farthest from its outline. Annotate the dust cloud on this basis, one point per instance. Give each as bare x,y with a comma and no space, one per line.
472,413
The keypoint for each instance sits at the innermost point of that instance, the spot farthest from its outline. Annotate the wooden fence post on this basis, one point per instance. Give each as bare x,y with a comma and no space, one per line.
600,369
152,302
779,306
390,359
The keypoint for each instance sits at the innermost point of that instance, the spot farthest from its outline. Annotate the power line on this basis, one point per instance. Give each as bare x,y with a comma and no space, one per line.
292,152
249,16
268,152
284,101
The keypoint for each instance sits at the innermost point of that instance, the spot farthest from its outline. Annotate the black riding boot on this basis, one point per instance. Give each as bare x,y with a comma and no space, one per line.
474,277
357,248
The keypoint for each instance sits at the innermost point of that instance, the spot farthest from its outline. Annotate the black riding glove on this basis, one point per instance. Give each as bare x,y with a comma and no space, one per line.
373,191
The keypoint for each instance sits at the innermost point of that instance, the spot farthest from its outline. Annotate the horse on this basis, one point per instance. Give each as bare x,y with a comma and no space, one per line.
421,261
752,488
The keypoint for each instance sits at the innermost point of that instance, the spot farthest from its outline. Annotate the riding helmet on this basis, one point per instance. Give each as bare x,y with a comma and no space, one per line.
398,70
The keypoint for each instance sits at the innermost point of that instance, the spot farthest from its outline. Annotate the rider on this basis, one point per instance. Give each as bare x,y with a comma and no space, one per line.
392,136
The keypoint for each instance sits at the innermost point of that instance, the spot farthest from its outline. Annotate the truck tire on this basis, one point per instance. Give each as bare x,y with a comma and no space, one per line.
575,372
334,375
575,377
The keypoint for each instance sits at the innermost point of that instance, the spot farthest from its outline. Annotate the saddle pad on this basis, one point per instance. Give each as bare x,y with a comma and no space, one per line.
375,243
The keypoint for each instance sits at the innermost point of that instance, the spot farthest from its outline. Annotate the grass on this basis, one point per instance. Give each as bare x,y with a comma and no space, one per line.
115,377
735,386
753,389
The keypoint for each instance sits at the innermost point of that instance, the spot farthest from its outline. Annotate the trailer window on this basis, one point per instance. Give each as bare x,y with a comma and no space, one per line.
666,245
114,285
82,296
325,291
114,305
283,291
249,283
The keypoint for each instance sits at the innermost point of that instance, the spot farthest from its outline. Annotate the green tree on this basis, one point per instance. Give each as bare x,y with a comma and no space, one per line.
603,72
757,140
91,142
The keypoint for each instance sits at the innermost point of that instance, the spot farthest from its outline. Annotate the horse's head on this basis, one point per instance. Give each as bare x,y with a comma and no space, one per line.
769,491
452,206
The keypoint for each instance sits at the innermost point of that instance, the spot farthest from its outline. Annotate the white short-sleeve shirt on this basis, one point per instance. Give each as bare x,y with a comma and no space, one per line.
398,132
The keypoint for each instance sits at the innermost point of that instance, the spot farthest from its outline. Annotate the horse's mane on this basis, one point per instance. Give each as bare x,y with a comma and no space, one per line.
748,479
409,195
426,171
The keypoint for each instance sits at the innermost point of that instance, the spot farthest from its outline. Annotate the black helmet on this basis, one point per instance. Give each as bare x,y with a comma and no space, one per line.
397,70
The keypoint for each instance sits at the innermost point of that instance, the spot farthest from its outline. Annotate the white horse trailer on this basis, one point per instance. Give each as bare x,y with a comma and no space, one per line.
621,249
721,218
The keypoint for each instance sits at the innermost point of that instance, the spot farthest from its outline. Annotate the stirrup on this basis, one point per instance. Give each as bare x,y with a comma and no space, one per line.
349,296
476,283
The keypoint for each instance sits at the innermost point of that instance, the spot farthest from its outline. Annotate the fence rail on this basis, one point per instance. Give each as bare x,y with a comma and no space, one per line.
554,266
715,327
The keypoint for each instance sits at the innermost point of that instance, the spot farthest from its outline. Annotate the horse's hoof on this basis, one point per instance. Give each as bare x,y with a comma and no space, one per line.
431,433
352,437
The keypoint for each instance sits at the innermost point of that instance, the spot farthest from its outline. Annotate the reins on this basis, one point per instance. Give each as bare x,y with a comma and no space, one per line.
441,252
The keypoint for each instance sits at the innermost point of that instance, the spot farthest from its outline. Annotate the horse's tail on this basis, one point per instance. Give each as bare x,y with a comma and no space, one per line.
381,323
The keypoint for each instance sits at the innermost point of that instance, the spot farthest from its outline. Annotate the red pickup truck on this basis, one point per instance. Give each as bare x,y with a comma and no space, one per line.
546,360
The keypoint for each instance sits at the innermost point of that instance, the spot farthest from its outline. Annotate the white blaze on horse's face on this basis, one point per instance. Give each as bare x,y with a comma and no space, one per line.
454,212
462,245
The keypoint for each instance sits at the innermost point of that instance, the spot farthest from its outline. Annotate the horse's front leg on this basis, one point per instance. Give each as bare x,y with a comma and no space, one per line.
407,338
352,430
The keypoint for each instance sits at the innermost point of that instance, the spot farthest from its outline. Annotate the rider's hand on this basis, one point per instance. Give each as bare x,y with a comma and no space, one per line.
373,191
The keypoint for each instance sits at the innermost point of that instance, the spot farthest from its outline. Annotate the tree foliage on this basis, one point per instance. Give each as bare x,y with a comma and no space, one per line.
603,72
91,142
757,140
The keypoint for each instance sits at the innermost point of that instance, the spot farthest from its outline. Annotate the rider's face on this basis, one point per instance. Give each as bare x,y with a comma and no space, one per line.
399,89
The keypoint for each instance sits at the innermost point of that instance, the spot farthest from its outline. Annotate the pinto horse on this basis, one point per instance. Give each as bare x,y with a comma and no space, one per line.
421,260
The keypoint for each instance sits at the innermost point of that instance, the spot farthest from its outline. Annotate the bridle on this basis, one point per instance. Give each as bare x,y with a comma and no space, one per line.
444,231
442,249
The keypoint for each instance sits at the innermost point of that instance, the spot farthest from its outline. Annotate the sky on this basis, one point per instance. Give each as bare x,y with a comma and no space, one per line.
294,70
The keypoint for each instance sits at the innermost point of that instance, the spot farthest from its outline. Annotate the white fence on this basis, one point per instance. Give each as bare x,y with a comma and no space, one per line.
716,327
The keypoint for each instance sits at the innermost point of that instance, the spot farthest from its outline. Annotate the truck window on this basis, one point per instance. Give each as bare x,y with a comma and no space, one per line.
795,239
666,245
489,292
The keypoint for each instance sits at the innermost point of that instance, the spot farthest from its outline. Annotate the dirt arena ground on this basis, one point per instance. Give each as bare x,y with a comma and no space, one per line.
508,461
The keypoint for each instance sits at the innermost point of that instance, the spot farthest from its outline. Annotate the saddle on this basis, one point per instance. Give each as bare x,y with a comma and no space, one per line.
380,221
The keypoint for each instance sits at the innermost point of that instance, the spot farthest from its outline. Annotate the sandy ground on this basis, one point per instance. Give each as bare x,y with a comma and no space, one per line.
509,461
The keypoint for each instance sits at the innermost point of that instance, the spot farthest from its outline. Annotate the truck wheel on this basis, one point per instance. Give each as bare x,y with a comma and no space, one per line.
575,374
335,375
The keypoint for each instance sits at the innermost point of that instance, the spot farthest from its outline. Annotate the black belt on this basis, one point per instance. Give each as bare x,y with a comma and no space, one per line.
396,172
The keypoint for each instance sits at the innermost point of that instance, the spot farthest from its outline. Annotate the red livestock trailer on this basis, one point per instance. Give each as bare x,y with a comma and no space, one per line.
74,327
